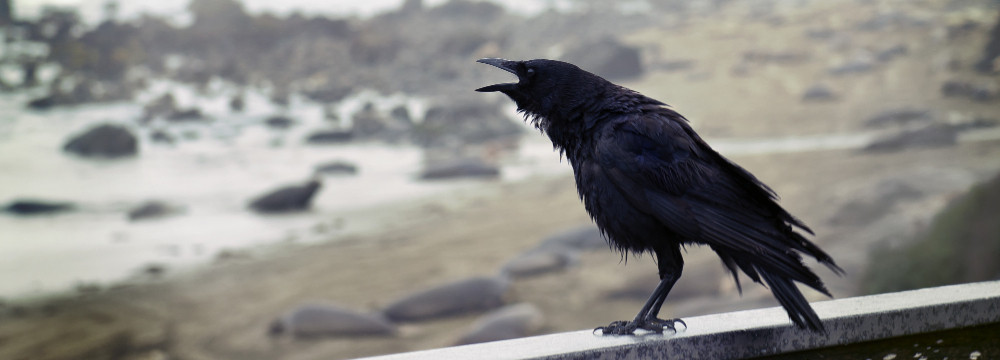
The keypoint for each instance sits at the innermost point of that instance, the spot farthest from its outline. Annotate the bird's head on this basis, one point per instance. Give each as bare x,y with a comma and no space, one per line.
544,88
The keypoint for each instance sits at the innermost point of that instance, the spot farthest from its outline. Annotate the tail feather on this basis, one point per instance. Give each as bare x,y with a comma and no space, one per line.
791,299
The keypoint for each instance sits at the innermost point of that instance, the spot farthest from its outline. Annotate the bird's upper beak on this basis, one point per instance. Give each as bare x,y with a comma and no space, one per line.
506,65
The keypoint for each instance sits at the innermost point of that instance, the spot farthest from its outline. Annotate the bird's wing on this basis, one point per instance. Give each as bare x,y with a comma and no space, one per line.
664,170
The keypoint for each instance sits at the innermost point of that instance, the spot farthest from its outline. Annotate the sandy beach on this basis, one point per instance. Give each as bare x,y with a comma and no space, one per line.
223,310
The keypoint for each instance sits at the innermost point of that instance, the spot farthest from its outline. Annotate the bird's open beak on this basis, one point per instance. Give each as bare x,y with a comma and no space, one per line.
506,65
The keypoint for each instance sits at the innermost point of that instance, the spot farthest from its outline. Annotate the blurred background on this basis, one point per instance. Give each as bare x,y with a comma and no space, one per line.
224,179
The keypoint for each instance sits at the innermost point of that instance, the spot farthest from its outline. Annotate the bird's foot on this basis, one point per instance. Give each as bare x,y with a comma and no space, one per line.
653,325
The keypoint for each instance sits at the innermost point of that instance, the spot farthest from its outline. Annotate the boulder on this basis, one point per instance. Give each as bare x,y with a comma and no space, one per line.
329,137
990,60
509,322
162,106
538,262
318,320
279,122
460,168
106,140
151,210
955,88
337,168
818,92
287,199
190,114
456,298
935,135
903,116
37,207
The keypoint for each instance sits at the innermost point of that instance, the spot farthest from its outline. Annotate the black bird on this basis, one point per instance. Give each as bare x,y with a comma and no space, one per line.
653,185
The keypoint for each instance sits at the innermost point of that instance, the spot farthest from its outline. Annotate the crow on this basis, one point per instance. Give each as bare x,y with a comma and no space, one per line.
651,184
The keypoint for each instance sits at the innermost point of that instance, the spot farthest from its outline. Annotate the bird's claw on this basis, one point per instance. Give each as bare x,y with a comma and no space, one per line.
653,325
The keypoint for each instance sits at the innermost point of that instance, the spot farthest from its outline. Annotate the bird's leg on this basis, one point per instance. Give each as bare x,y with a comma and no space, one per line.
670,263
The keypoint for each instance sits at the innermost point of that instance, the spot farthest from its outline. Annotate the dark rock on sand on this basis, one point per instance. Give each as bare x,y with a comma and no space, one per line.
819,92
237,103
162,136
955,88
317,320
856,65
460,168
904,116
607,57
279,122
286,199
329,137
990,61
935,135
162,106
191,114
104,141
37,207
151,210
539,261
337,168
887,54
456,298
509,322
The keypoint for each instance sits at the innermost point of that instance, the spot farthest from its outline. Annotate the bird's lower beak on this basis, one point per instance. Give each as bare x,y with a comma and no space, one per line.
506,65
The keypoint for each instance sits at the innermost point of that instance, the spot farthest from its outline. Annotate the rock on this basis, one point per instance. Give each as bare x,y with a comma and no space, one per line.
935,135
887,54
329,137
819,92
608,58
537,262
42,103
460,168
401,114
237,103
37,207
317,320
586,237
151,210
990,61
104,141
456,298
897,117
466,121
162,106
368,122
857,65
279,122
955,88
509,322
286,199
337,168
161,136
192,114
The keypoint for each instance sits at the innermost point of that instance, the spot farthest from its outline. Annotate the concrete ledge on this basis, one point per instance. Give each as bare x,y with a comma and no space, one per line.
758,332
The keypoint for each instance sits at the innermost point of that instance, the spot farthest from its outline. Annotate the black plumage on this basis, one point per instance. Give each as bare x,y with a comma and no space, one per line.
652,185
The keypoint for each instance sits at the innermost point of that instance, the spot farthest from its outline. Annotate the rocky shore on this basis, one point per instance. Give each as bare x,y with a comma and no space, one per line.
521,255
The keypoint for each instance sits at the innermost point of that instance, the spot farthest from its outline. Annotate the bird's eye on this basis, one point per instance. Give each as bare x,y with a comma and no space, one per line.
531,72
